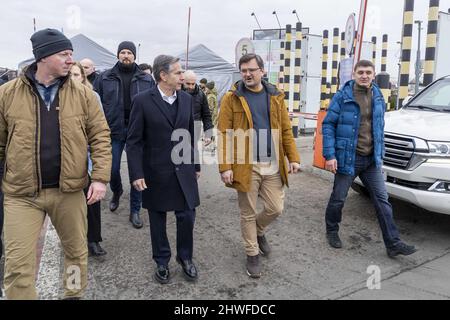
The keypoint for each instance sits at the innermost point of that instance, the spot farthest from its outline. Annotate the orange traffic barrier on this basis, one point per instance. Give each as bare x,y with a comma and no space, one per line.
319,160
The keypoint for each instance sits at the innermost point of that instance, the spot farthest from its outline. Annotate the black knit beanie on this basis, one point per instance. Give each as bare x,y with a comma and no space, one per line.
126,45
49,41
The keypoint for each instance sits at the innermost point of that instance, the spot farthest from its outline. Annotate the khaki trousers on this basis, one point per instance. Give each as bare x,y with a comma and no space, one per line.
24,217
270,189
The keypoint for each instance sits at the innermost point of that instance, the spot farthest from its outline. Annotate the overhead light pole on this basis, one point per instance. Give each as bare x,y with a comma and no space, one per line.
295,12
275,13
254,15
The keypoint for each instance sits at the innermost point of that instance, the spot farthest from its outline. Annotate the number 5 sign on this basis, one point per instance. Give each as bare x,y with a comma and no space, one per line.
243,47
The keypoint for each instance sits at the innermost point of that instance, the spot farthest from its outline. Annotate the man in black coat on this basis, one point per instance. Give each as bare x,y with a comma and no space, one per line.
89,69
117,87
200,105
164,170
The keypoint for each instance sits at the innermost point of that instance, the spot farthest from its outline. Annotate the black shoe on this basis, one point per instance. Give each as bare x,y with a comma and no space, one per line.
400,248
136,221
162,274
253,267
95,249
114,204
189,269
334,240
264,247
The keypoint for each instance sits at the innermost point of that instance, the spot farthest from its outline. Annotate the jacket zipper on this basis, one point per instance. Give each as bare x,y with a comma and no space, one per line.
5,165
36,142
38,169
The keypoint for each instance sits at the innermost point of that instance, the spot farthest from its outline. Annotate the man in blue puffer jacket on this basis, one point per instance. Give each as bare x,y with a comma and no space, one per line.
353,145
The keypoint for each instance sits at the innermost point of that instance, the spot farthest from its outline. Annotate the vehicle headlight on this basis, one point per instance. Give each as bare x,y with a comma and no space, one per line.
439,148
441,187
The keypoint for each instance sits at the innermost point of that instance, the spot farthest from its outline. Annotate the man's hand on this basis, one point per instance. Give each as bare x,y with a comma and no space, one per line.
227,177
139,185
96,192
294,168
331,166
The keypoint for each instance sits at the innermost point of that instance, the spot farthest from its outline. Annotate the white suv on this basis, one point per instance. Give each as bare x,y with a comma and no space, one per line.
417,143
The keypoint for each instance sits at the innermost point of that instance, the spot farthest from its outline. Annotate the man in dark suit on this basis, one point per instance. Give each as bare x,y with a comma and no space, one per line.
165,166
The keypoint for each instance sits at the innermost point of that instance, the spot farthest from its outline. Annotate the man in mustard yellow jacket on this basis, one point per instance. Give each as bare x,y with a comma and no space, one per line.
255,138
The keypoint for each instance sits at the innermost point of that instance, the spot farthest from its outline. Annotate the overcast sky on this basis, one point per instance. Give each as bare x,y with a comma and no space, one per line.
160,26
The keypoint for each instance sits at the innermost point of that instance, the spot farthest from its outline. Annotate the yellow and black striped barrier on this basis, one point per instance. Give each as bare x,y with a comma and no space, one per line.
323,94
374,51
408,20
383,81
430,53
334,66
287,64
281,73
384,53
297,75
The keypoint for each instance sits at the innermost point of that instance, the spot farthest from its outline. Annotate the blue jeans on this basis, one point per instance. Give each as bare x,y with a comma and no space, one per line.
372,179
116,181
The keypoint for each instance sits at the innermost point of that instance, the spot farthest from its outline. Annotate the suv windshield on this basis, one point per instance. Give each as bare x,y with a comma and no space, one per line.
435,98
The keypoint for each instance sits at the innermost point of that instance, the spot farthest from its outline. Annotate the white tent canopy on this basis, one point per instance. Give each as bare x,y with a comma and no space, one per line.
83,47
207,64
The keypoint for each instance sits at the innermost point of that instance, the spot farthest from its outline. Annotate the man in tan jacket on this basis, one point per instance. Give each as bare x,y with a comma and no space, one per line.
252,118
47,122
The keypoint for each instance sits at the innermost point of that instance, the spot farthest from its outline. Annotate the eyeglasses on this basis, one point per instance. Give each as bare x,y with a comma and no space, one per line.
251,70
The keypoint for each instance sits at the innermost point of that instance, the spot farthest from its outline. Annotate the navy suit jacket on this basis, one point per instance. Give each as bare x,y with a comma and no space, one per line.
170,186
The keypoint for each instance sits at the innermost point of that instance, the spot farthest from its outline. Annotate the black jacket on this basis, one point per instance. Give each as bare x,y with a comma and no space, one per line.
92,77
170,186
108,85
200,108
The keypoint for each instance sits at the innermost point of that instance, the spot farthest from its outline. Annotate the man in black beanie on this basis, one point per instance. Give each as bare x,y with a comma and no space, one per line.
47,122
117,87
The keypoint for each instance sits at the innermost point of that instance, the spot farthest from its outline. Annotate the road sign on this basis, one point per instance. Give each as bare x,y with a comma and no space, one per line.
350,29
243,47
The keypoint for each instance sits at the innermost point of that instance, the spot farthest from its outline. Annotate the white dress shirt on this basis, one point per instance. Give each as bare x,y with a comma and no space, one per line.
169,99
